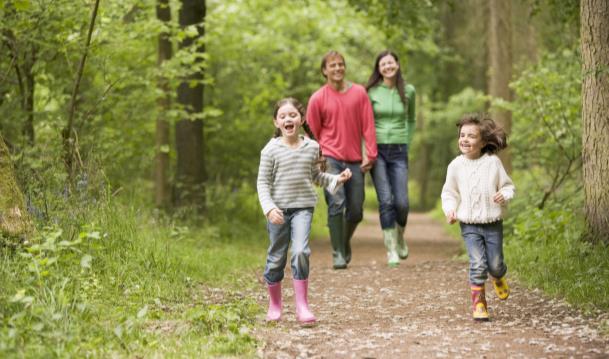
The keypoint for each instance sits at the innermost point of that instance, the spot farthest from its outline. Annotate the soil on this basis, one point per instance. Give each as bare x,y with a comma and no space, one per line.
421,309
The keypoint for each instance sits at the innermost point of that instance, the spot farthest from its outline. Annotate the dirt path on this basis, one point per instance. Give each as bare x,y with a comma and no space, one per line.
420,309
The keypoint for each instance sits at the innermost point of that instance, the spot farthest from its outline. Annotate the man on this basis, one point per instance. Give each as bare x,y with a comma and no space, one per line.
340,117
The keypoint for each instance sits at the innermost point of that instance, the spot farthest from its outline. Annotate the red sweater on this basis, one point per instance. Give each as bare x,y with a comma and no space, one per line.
340,121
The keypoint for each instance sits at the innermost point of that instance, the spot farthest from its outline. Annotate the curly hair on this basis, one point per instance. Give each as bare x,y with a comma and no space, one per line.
494,136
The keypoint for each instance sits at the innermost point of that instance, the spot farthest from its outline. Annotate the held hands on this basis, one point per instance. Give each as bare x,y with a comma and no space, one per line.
275,216
344,176
498,198
451,217
366,164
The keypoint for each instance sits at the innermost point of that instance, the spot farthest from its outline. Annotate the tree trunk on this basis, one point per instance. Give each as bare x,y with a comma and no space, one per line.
190,187
28,99
500,62
14,219
595,116
162,190
68,135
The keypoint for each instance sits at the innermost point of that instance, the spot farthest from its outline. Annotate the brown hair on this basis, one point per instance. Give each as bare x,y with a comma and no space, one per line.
494,136
330,54
376,76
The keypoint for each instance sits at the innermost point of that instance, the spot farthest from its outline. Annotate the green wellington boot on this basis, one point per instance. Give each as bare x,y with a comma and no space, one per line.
402,246
349,229
337,239
390,239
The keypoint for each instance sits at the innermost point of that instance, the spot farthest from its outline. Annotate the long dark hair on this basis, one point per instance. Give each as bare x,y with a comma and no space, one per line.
493,135
376,76
301,110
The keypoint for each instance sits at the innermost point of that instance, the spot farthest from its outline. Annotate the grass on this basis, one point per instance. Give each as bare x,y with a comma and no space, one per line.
125,284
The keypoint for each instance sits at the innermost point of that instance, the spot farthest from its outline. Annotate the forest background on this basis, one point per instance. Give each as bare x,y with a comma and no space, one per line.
134,129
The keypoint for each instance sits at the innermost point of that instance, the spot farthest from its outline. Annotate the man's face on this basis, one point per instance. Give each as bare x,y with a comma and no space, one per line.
335,69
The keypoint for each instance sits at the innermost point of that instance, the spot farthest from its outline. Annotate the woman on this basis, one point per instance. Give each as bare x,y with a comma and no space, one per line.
393,102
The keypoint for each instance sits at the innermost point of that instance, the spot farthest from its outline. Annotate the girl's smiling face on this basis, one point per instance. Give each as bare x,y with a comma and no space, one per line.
470,141
288,120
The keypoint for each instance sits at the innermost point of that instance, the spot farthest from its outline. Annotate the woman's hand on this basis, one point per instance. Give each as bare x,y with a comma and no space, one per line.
275,216
344,176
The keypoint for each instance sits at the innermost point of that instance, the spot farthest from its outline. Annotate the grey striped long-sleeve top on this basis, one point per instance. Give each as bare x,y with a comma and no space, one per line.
286,176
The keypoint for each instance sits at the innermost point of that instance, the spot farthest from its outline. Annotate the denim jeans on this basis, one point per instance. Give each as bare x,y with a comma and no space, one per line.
296,229
349,199
390,177
484,244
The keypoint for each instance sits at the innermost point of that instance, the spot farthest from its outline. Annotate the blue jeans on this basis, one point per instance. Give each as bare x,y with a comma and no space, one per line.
484,244
349,199
296,229
390,177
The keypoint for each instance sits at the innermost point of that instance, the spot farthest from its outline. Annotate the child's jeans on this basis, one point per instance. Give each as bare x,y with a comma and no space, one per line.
296,229
484,244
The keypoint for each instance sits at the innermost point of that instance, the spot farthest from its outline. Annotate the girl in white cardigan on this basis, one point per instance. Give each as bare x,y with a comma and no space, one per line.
476,193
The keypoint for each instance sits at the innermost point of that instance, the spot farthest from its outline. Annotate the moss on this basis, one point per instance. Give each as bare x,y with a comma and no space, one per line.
14,219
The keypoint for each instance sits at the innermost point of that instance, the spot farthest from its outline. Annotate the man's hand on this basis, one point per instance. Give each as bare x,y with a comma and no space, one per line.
366,165
275,216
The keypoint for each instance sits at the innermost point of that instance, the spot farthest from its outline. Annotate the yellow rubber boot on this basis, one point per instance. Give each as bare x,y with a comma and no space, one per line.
501,288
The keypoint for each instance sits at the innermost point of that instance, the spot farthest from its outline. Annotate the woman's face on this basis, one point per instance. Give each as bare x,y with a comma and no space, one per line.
288,121
388,67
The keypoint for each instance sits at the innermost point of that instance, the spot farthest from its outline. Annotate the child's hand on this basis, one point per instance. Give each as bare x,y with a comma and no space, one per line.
275,216
451,217
498,198
344,176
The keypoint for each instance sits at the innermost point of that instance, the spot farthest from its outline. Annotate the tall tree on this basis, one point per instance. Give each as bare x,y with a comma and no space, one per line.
595,114
500,62
190,188
162,191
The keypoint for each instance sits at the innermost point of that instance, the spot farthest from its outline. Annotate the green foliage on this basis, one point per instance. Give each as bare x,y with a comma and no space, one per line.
545,250
99,288
546,134
263,51
434,144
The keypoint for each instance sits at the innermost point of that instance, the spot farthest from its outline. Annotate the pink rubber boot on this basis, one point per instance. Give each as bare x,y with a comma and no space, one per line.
303,314
274,312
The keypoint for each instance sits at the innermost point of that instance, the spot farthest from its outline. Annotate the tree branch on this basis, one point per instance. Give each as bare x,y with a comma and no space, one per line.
68,140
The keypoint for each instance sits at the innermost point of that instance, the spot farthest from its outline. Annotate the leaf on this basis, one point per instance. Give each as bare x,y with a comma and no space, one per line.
118,331
21,5
85,261
142,312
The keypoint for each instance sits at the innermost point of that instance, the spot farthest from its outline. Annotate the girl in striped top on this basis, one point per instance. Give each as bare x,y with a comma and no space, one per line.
289,166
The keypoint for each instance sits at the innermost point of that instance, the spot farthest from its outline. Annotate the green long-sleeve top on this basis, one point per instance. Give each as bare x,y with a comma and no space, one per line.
394,124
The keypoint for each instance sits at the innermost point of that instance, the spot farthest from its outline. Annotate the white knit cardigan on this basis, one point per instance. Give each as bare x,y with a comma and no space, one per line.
470,186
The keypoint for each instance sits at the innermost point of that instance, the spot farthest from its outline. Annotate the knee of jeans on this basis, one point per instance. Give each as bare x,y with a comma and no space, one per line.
300,253
497,268
355,217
